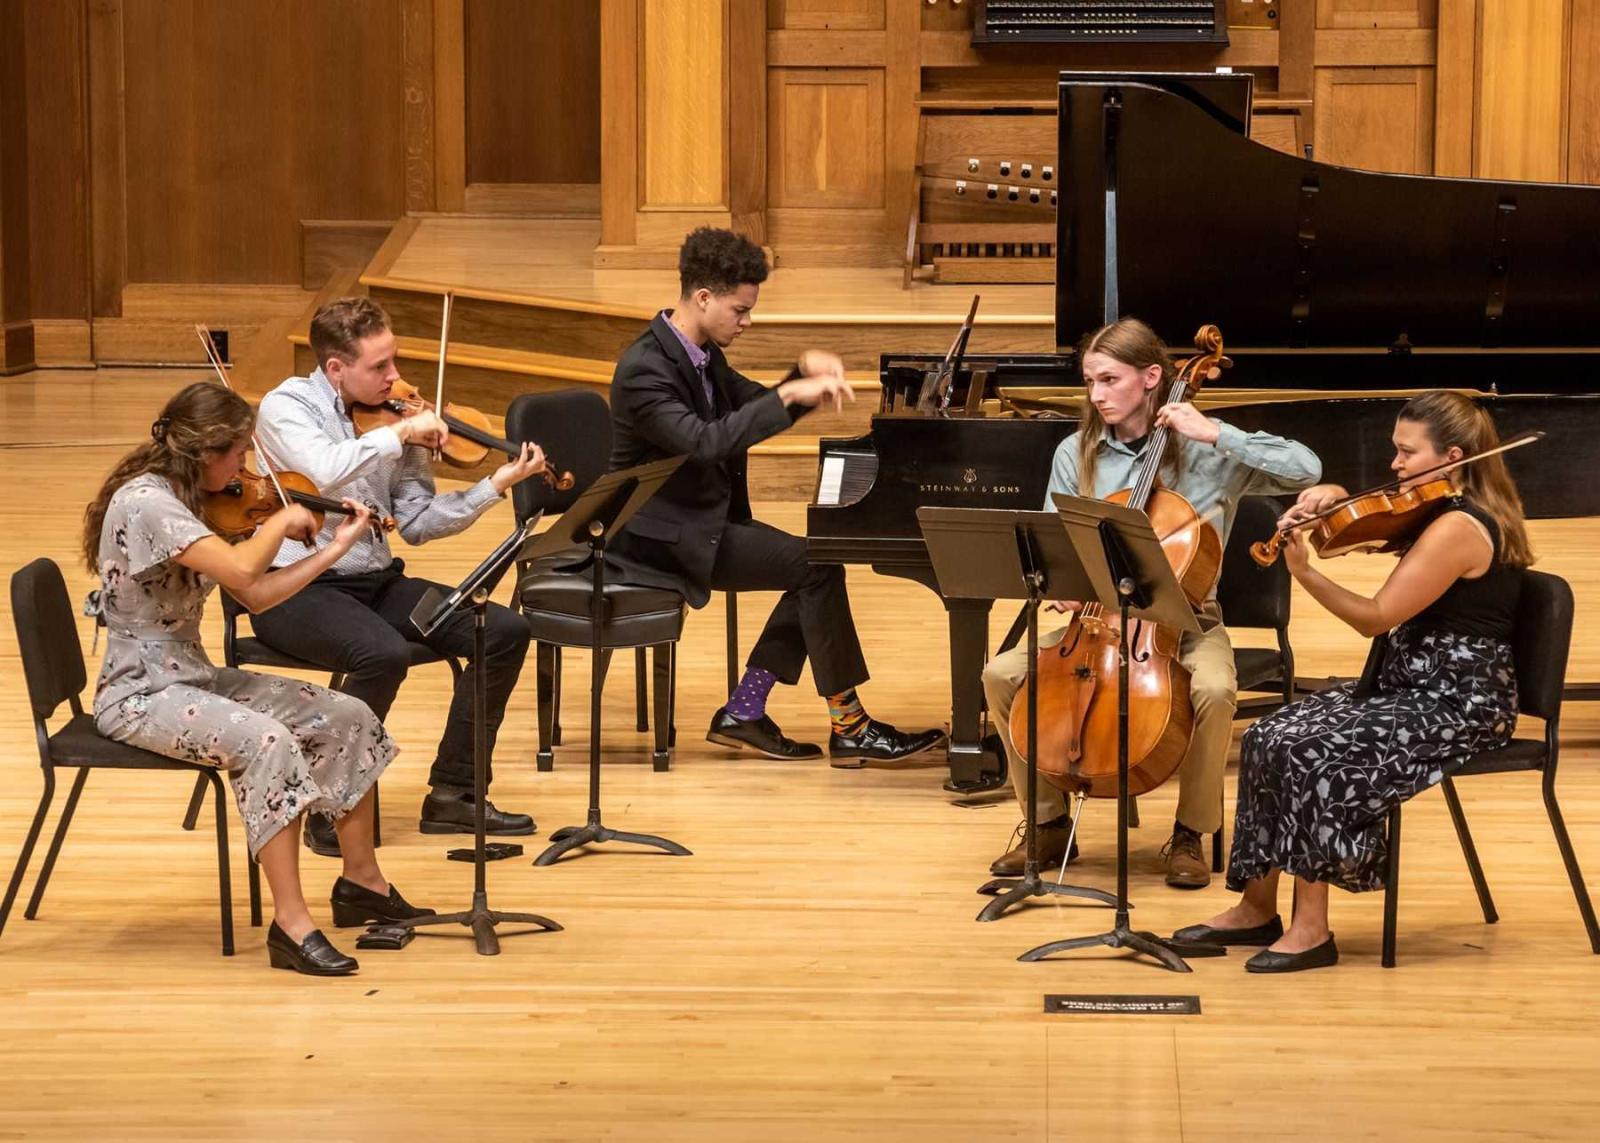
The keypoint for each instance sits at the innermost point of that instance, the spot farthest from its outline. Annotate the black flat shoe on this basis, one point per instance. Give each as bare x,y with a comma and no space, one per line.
320,836
313,956
357,905
759,734
879,742
452,813
1263,934
1324,955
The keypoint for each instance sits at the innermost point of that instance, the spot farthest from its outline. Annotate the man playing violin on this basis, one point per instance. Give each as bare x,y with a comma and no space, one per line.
355,618
1126,371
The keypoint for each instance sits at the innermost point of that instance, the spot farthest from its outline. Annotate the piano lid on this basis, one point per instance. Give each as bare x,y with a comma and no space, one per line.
1286,252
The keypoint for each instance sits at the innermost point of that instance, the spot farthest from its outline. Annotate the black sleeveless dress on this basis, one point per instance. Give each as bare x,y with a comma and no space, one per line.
1318,778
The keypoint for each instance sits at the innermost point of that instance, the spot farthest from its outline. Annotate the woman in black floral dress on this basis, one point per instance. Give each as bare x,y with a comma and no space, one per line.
1318,778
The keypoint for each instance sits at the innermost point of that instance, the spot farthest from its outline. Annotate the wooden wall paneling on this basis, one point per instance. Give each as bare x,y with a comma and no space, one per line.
1583,93
108,220
619,123
532,91
1379,119
330,245
1374,13
416,24
16,326
1455,87
58,160
1281,132
684,114
449,105
1297,49
820,15
747,121
1521,87
826,143
902,79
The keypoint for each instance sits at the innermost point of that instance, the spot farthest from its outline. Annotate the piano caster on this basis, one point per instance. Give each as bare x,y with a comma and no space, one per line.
991,771
982,784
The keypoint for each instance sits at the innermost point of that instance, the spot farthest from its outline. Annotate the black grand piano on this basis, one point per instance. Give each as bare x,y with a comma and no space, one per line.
1328,283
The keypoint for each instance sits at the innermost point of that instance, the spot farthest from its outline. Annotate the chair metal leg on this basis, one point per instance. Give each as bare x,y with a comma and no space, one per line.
663,681
1470,852
1391,889
544,690
672,699
1216,851
555,703
224,871
196,800
255,889
641,696
1570,860
55,844
39,815
377,818
733,640
1133,813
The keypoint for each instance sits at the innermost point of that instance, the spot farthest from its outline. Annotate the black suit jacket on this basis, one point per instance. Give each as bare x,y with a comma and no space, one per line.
659,410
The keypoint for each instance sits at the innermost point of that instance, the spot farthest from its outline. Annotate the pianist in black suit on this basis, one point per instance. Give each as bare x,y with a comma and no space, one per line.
674,394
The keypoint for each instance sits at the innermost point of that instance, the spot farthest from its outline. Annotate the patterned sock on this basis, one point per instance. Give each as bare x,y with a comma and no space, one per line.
749,699
846,713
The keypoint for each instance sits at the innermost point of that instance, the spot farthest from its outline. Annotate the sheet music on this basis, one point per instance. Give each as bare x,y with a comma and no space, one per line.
832,479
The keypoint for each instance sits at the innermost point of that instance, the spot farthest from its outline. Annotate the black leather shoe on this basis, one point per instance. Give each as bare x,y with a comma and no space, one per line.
761,735
320,836
452,812
1324,955
357,905
878,741
1263,934
313,956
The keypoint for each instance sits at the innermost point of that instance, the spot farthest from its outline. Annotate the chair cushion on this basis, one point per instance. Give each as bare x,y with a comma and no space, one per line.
251,652
1257,667
559,609
1518,754
78,743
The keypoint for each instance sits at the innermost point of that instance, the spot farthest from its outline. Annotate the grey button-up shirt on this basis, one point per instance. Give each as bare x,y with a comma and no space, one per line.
303,426
1212,477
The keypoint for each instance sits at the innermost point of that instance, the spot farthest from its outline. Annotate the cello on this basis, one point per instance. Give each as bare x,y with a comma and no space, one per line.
1077,678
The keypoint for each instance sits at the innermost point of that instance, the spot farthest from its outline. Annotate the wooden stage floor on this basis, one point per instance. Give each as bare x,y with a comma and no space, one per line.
812,972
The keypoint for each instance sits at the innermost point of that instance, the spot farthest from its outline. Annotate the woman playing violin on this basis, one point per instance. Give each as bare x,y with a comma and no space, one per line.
289,747
1317,779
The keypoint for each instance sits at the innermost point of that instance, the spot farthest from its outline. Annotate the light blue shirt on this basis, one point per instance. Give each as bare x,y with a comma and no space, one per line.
1212,477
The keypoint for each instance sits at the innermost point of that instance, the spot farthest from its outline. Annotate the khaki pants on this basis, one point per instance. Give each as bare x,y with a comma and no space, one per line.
1212,686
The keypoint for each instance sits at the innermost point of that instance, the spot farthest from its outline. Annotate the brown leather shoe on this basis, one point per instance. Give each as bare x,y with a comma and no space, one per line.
1187,867
1052,844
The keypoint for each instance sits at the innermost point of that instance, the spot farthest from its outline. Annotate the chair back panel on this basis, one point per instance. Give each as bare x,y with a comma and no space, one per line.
47,635
1541,642
1249,594
574,427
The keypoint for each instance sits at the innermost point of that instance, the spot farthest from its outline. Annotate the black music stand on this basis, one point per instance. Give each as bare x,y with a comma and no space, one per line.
433,609
597,515
999,553
1129,571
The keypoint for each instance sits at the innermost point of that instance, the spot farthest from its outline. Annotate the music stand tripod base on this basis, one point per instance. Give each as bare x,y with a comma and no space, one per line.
1014,890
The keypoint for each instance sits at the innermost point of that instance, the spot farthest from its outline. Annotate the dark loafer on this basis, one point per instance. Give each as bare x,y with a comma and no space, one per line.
320,836
452,813
759,734
1052,847
1263,934
357,905
879,742
1324,955
313,956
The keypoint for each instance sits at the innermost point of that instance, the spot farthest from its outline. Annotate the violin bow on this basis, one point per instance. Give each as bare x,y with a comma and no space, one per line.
215,358
444,346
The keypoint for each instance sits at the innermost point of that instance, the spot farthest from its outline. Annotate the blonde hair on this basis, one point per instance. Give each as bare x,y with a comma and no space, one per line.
1134,343
1453,420
202,418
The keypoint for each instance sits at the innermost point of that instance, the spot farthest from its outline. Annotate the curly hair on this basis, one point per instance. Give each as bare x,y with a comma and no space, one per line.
199,419
720,261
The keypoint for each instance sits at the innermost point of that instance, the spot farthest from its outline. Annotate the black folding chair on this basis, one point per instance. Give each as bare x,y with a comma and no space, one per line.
1253,596
52,662
574,428
1539,646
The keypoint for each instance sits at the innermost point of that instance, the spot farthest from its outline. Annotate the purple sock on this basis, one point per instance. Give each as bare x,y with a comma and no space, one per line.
749,699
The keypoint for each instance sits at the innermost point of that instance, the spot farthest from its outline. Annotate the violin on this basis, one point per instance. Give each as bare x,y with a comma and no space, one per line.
237,510
1077,678
470,440
1383,519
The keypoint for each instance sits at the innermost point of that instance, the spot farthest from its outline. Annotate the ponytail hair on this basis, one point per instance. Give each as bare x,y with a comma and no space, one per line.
198,422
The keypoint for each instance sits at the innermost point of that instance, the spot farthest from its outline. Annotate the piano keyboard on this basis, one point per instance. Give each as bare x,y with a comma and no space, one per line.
845,476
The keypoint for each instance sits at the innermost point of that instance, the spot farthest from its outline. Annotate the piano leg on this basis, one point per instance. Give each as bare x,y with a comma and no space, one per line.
977,763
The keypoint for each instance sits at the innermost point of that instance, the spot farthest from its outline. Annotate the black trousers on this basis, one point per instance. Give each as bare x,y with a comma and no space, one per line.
360,625
812,620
